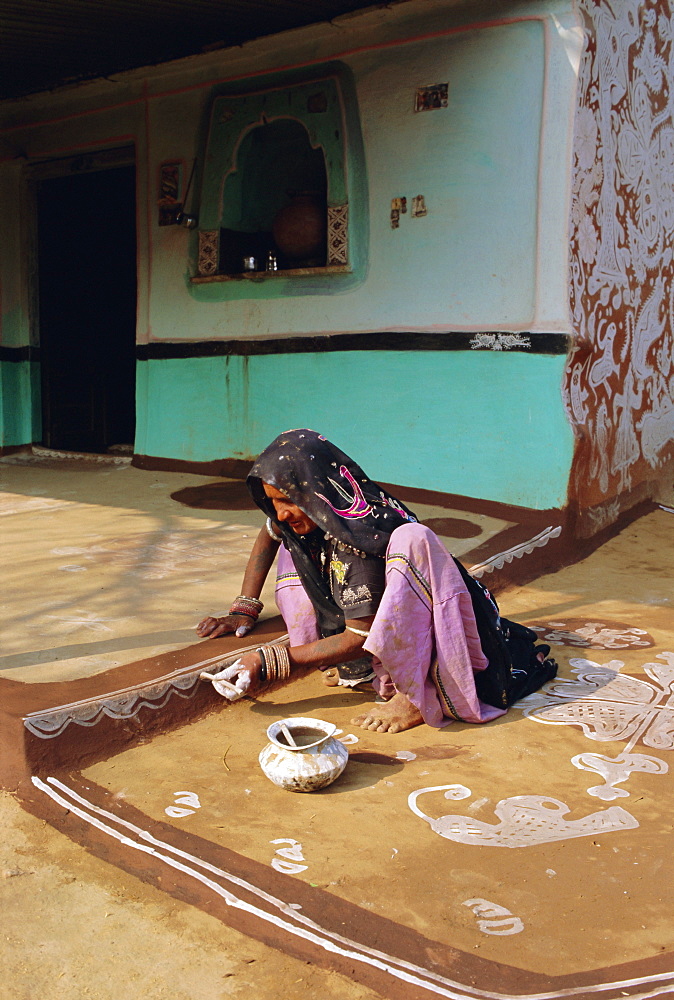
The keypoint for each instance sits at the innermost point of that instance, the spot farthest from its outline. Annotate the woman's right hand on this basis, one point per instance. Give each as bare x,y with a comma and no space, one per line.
211,628
240,677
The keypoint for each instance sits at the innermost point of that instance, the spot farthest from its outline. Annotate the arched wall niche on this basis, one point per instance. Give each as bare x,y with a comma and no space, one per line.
263,147
275,167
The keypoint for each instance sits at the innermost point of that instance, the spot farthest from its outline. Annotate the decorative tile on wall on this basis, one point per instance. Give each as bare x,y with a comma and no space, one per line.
338,234
208,252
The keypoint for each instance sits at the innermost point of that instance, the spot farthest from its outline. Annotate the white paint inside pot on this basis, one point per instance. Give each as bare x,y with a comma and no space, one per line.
305,732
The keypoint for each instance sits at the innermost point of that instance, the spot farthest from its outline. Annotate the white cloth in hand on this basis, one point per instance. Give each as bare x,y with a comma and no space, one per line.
235,674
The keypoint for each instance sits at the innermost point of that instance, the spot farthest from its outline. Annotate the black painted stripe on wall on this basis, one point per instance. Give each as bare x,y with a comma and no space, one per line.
539,343
19,353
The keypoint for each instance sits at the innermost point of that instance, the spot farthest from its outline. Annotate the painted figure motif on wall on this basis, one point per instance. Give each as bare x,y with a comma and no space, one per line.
619,383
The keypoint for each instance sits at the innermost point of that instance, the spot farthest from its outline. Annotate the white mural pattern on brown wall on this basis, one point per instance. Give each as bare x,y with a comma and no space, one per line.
619,383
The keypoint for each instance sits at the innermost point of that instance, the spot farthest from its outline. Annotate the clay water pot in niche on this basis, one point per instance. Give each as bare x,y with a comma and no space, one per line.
300,228
316,760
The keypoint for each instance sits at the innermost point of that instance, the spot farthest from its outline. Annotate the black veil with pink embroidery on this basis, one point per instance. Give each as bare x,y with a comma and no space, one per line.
346,506
331,488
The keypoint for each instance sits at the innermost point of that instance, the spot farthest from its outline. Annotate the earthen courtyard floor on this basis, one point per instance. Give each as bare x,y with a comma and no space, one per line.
526,858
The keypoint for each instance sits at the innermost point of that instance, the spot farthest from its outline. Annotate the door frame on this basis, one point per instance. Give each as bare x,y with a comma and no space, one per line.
93,161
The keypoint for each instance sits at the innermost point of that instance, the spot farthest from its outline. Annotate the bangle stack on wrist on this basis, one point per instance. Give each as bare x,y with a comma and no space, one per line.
248,606
275,663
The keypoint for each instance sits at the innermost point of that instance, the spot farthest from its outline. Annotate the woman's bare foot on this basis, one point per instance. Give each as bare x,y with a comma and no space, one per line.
394,716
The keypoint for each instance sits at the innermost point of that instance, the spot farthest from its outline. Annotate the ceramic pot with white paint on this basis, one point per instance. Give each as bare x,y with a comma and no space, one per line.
316,760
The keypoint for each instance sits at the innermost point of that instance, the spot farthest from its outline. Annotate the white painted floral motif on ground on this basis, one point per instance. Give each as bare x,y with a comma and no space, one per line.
494,919
615,770
187,804
618,389
611,706
600,635
288,857
524,821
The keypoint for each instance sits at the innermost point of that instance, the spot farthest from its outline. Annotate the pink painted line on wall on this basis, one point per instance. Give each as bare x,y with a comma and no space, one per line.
345,53
72,116
96,144
284,68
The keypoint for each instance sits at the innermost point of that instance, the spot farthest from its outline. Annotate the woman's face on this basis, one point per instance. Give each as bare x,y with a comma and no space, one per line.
288,512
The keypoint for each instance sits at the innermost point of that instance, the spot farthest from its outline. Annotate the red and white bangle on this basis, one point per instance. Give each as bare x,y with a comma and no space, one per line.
249,606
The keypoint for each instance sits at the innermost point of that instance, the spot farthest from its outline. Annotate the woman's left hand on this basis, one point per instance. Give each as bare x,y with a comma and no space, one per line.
211,628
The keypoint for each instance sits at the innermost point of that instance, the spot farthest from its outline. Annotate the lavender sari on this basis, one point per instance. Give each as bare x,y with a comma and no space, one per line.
424,639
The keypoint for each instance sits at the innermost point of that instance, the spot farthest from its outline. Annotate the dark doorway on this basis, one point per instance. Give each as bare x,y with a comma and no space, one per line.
87,306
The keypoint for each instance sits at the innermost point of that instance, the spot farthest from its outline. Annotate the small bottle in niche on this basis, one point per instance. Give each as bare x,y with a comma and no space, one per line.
249,264
271,264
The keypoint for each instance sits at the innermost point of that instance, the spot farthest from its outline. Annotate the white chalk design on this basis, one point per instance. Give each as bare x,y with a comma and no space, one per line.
176,812
187,804
618,381
117,460
494,919
499,341
525,821
125,703
156,555
516,552
615,770
268,911
609,706
347,740
14,503
594,634
288,857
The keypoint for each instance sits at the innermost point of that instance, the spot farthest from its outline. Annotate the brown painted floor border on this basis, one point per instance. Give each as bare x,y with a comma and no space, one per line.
404,965
22,753
19,698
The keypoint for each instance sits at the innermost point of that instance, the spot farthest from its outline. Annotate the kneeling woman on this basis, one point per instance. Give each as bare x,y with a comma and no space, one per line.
367,592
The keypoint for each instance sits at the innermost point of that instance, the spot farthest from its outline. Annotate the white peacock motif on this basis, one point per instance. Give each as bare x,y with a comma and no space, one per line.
609,706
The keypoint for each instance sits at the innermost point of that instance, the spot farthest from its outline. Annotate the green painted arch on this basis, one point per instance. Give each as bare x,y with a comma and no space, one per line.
233,117
345,166
270,175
